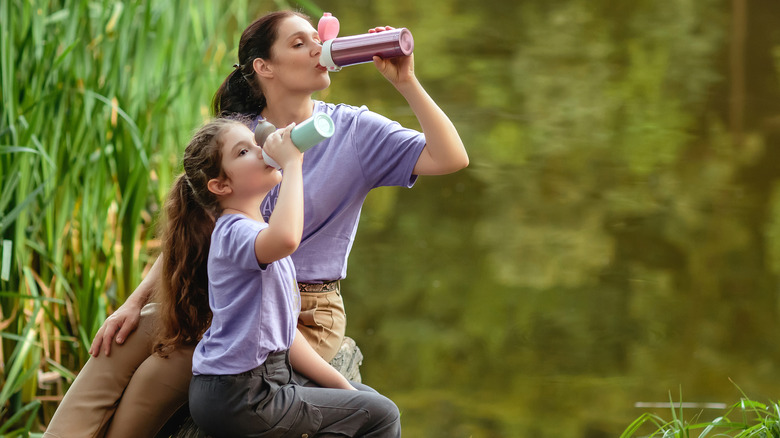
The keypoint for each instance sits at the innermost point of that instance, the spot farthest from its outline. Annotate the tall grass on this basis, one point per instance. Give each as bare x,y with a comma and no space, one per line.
745,419
98,100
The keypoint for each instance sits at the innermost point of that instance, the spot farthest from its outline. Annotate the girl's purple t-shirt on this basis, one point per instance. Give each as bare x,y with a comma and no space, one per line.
366,151
255,308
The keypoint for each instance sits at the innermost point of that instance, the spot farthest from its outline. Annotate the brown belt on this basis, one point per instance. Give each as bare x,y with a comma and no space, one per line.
328,286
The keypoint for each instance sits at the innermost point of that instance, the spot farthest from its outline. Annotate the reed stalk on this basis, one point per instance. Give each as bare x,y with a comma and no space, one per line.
99,99
755,420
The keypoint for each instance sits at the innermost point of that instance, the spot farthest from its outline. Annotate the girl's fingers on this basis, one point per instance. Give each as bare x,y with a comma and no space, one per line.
280,134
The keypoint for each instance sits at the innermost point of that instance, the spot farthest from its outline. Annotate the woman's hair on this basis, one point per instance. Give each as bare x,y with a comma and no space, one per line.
241,92
191,211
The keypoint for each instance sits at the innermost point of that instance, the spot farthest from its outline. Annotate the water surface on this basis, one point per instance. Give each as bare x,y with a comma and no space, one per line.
616,238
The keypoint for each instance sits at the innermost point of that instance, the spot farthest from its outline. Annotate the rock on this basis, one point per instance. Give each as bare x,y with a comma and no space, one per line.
348,360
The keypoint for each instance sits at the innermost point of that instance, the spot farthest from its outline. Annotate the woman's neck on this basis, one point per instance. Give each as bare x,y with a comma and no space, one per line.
282,112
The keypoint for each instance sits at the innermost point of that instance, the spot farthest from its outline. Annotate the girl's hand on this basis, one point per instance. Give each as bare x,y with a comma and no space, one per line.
280,147
398,70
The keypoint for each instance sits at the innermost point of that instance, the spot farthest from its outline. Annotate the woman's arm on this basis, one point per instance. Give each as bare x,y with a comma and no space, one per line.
125,319
285,226
444,151
306,361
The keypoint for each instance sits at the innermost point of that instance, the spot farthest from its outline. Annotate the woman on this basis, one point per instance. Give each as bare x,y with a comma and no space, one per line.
277,72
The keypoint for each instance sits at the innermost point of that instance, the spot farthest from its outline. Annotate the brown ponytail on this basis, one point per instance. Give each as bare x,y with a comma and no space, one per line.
190,213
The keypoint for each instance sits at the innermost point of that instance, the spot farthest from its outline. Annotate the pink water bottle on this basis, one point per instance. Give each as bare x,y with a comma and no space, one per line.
357,49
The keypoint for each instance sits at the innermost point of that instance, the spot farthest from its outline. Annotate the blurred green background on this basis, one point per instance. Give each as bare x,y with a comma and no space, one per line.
615,240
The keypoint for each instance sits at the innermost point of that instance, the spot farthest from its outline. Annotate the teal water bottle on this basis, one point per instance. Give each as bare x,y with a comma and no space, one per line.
304,135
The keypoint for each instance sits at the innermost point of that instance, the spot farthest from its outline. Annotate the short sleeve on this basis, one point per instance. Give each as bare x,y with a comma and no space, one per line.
387,151
237,243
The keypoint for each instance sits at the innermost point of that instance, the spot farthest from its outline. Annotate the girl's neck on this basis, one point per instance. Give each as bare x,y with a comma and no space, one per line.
251,215
284,111
249,208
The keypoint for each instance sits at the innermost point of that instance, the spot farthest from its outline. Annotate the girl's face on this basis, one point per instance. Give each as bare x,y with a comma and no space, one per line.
295,57
242,162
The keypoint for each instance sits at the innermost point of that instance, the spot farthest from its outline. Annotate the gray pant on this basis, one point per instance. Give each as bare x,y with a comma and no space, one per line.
274,401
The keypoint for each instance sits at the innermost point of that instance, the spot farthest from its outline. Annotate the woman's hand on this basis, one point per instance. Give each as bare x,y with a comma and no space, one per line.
398,70
120,324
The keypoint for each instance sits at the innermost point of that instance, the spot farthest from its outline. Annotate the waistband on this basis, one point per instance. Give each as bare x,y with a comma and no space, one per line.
327,286
274,362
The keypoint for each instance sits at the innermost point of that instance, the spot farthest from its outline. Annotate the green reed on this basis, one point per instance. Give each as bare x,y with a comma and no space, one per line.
745,419
99,98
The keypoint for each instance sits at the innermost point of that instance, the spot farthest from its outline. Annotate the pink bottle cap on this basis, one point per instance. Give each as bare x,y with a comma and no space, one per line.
328,27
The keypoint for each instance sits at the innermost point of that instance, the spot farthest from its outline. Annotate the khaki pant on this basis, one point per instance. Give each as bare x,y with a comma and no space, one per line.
132,392
323,321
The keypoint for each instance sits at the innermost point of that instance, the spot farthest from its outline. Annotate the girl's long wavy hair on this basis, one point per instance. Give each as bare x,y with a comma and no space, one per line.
241,93
190,214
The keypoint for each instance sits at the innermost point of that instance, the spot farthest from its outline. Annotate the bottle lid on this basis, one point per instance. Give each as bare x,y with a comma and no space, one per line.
262,131
328,27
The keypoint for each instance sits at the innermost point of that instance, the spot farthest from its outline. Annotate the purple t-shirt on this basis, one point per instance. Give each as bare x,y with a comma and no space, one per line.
255,308
366,151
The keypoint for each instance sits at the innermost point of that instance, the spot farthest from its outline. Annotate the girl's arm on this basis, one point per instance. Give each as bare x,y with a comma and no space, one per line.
444,151
285,226
125,319
306,361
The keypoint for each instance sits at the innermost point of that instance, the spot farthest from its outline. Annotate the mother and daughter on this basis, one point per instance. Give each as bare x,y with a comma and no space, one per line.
230,330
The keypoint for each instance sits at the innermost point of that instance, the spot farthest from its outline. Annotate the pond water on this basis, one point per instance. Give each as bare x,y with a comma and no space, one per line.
616,238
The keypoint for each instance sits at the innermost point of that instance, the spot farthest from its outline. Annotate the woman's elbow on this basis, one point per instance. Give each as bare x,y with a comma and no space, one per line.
457,163
458,158
463,162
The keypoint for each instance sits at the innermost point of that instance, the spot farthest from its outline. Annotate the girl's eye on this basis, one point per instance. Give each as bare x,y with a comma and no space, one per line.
298,45
243,152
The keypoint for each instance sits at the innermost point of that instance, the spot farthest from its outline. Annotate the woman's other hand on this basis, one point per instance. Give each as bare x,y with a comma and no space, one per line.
398,70
117,326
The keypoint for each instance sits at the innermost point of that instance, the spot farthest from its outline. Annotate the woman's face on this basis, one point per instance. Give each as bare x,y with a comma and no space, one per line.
295,57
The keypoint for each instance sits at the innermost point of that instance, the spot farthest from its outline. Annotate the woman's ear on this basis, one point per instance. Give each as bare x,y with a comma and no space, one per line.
219,187
262,68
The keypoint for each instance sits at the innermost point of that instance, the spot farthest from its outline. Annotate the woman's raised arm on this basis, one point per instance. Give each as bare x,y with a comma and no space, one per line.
444,151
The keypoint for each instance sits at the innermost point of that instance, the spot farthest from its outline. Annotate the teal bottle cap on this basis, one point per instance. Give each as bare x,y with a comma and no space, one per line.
312,131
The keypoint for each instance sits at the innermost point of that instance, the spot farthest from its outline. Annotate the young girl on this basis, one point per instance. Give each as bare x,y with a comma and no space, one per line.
244,384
